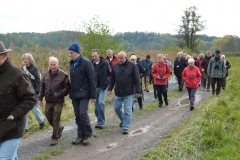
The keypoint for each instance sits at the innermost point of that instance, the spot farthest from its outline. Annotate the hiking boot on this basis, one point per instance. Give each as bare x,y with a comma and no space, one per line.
100,126
147,90
140,107
41,125
86,140
208,89
191,108
60,132
125,131
77,141
213,92
120,125
166,103
54,142
160,105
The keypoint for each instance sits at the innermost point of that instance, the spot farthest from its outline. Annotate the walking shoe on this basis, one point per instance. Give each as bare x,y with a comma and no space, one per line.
41,125
77,141
191,108
140,107
147,90
160,105
86,140
54,142
155,100
208,89
213,92
125,131
60,132
100,126
26,130
166,103
120,125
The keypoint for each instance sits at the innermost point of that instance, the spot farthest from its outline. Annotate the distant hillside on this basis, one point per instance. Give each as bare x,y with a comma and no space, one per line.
62,39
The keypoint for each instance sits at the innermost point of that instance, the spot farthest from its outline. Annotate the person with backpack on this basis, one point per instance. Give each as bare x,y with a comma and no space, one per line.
101,68
227,66
34,76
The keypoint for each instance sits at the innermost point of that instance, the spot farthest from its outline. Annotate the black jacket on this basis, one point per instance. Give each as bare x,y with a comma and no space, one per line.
205,63
101,74
82,80
126,79
35,82
179,66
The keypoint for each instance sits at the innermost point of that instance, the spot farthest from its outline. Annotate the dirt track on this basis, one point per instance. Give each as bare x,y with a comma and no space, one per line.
145,132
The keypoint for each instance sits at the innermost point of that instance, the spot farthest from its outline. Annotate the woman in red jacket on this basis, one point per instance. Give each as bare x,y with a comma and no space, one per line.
192,76
160,73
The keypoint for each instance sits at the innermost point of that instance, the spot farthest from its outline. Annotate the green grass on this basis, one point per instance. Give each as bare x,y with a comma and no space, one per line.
211,132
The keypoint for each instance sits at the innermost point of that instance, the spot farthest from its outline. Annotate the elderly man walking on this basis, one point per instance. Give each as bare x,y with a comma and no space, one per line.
54,87
216,70
125,77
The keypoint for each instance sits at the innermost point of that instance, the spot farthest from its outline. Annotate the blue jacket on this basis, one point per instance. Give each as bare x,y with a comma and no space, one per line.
147,64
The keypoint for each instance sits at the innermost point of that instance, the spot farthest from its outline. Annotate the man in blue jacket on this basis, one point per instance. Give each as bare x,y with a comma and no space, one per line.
147,65
82,90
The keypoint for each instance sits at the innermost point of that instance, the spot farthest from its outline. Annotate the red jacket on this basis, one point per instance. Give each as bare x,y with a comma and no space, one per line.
159,69
113,62
200,64
191,76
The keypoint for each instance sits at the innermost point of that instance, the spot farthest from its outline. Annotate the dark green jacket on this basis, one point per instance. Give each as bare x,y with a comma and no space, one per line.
17,98
216,68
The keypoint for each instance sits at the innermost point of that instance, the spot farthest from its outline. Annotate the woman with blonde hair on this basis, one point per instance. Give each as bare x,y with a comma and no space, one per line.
34,76
160,73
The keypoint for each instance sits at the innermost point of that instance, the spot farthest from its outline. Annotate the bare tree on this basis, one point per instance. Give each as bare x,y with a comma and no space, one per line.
187,32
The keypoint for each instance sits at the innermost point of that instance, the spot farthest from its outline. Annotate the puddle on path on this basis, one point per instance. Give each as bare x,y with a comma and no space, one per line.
139,131
107,148
184,101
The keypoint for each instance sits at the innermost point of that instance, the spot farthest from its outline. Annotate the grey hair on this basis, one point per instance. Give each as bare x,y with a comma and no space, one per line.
160,56
124,53
30,57
191,60
53,58
109,51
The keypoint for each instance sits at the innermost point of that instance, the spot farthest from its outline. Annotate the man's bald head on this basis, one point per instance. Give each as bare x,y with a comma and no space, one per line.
122,57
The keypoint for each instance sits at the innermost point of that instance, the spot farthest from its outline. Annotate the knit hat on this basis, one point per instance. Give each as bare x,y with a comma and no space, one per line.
217,52
74,47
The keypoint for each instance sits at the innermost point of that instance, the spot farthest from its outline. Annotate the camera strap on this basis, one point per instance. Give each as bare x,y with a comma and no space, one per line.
28,73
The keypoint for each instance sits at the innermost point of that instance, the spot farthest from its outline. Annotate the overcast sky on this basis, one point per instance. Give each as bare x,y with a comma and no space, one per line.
161,16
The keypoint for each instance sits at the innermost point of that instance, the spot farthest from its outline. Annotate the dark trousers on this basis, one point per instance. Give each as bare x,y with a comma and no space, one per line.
155,91
213,82
191,95
180,82
161,91
223,83
53,114
82,118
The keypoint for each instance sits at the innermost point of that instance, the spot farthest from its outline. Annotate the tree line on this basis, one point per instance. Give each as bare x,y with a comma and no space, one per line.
130,40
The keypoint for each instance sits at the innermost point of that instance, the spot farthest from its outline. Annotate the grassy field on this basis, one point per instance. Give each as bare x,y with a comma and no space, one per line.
211,132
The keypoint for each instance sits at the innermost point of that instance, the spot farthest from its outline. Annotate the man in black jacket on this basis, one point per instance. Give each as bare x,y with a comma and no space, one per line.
125,77
82,90
179,65
101,68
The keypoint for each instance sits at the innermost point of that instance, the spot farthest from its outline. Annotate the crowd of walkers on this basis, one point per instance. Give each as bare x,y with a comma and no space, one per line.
23,89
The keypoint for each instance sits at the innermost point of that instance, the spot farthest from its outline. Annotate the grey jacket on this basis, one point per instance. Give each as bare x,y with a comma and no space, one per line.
216,68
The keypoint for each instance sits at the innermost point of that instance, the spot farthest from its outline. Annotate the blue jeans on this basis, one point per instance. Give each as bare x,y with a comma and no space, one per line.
100,106
124,115
8,149
37,114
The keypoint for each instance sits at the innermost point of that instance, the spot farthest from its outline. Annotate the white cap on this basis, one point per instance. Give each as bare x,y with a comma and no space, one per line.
133,57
